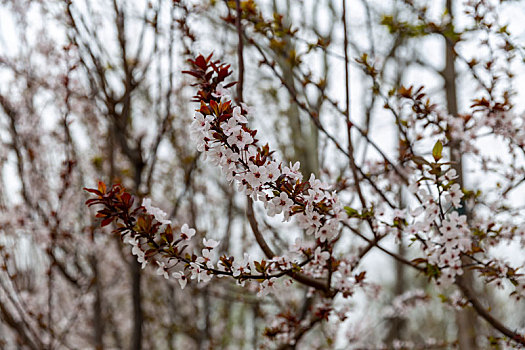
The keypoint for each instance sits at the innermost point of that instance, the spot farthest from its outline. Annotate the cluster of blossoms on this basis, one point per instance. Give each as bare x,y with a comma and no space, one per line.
421,119
222,134
153,237
229,143
200,267
442,227
452,240
444,233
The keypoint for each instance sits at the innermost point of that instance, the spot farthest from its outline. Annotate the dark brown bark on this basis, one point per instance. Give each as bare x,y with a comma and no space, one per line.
136,343
98,321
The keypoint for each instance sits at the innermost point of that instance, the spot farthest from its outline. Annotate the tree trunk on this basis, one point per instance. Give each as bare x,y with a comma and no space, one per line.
304,138
98,322
136,343
466,318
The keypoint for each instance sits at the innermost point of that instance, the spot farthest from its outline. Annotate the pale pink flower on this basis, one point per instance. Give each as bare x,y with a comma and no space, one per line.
186,232
181,278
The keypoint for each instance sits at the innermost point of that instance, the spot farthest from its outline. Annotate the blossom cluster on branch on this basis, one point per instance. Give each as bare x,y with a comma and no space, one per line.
438,224
223,135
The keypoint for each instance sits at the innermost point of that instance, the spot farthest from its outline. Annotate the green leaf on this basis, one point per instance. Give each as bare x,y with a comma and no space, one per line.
443,298
351,212
437,150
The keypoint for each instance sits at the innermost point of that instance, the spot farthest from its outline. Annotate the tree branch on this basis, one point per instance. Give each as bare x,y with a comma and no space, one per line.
306,280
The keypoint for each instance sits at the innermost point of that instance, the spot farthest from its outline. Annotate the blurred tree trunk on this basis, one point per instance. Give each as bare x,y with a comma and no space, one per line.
397,324
305,139
137,306
98,321
466,318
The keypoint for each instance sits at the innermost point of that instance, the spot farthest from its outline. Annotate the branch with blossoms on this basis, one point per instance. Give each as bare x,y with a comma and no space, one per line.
221,131
152,239
444,233
417,119
226,140
442,201
224,136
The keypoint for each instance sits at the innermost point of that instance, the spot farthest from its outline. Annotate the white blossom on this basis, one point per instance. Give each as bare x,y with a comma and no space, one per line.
159,215
186,232
181,277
